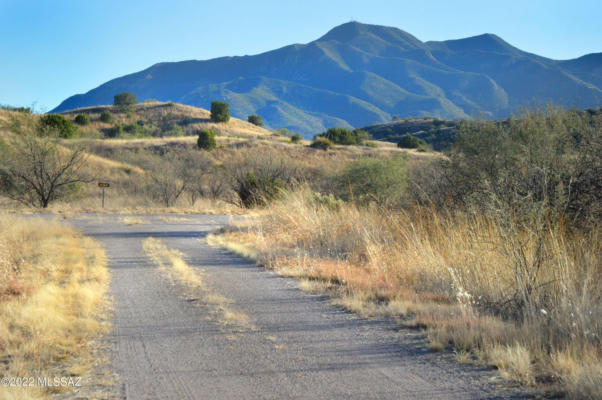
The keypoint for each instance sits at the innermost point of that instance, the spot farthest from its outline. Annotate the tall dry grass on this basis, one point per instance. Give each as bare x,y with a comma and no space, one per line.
53,301
524,299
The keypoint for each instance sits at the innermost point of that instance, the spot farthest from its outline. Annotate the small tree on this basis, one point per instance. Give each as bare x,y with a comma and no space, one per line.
411,142
106,117
125,99
321,143
255,120
82,119
296,138
37,171
206,140
220,111
373,179
345,136
55,124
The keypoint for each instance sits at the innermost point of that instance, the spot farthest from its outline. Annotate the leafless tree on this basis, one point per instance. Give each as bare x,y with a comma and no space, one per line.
36,170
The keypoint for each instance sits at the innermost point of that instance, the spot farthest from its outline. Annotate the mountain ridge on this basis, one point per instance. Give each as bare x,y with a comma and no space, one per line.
358,74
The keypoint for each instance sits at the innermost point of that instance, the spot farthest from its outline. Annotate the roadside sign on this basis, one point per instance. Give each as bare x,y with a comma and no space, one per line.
103,185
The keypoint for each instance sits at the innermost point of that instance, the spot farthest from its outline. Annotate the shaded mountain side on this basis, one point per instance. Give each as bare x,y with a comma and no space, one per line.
359,74
440,134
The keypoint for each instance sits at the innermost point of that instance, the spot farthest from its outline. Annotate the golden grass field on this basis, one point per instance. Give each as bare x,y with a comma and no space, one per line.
53,306
455,276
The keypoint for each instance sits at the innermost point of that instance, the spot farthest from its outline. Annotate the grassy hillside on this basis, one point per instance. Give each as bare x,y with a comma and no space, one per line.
171,172
157,119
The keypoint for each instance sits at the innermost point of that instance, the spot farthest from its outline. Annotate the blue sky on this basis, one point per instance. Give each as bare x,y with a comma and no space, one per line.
53,49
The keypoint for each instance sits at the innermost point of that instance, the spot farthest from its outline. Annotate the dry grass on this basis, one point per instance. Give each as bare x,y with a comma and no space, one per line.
513,297
171,262
192,118
130,221
53,303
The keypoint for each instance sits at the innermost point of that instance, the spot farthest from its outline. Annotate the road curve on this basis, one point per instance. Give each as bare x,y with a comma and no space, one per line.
167,344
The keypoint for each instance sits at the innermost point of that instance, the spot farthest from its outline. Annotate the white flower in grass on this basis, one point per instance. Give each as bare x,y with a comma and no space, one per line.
544,312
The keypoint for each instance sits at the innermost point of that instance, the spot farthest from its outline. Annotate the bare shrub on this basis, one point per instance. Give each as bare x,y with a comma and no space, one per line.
36,170
258,175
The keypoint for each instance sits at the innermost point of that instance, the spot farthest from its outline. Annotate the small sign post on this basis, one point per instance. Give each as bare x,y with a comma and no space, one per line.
103,185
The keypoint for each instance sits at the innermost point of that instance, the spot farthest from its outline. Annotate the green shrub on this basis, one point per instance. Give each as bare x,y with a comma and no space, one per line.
82,119
220,111
345,136
57,124
106,117
173,130
296,138
25,110
329,201
411,142
545,163
255,120
373,179
321,143
206,140
115,131
125,99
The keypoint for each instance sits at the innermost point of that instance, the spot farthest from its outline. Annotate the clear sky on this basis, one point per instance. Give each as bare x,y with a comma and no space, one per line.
53,49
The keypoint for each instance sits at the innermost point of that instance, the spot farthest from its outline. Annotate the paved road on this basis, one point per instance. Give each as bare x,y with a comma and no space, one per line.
167,344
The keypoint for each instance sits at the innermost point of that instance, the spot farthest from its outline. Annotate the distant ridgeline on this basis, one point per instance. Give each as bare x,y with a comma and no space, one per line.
438,133
359,74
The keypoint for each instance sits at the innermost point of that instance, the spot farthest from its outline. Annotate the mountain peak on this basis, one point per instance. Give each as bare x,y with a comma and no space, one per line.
359,73
487,42
350,31
345,32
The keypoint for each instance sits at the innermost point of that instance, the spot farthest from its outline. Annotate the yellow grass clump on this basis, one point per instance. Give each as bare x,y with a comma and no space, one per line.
53,304
171,262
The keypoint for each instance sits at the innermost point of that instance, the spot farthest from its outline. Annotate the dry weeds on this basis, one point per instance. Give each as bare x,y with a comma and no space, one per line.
512,297
53,304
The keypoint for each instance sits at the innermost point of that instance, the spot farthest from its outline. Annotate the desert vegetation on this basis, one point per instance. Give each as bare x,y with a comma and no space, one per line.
34,169
53,301
494,249
125,99
255,120
220,111
345,136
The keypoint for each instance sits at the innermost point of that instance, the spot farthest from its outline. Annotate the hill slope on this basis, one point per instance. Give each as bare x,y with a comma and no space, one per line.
358,74
161,119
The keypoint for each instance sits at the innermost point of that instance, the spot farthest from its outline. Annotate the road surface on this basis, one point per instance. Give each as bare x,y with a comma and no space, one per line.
168,344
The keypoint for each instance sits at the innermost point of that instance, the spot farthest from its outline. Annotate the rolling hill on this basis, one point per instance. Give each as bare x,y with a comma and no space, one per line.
161,119
359,74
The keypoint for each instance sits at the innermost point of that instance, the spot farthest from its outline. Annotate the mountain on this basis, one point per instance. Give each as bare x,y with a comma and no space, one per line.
359,74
